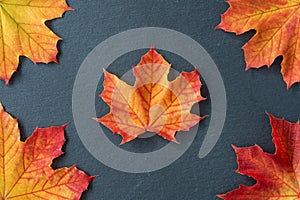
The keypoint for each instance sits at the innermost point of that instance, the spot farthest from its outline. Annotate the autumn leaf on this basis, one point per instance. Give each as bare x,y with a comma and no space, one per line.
23,32
277,33
278,174
153,104
25,171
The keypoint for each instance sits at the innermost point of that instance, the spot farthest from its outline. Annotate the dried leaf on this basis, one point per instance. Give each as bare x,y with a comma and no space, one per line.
23,32
153,103
25,171
277,33
277,174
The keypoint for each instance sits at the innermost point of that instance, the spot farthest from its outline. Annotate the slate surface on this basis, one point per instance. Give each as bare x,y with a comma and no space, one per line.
42,95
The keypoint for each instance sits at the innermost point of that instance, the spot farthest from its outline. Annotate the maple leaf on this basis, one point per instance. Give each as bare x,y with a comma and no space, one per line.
23,32
153,103
25,171
278,174
277,33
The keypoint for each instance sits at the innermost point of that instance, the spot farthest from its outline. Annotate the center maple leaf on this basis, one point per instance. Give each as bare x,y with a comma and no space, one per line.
153,103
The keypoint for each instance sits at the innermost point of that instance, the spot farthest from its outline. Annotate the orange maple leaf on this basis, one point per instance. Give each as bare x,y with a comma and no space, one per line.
23,32
153,103
25,171
277,175
277,33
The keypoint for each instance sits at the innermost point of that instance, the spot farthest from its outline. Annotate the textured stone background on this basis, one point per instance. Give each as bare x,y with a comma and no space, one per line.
42,95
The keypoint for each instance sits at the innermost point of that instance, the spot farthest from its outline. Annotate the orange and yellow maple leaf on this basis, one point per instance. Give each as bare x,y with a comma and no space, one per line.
277,175
153,103
277,33
23,32
25,171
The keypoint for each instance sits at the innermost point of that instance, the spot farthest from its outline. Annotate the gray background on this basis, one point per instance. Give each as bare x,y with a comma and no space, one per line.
42,95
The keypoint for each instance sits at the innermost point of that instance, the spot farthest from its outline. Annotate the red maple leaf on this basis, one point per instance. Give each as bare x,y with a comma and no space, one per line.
278,174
